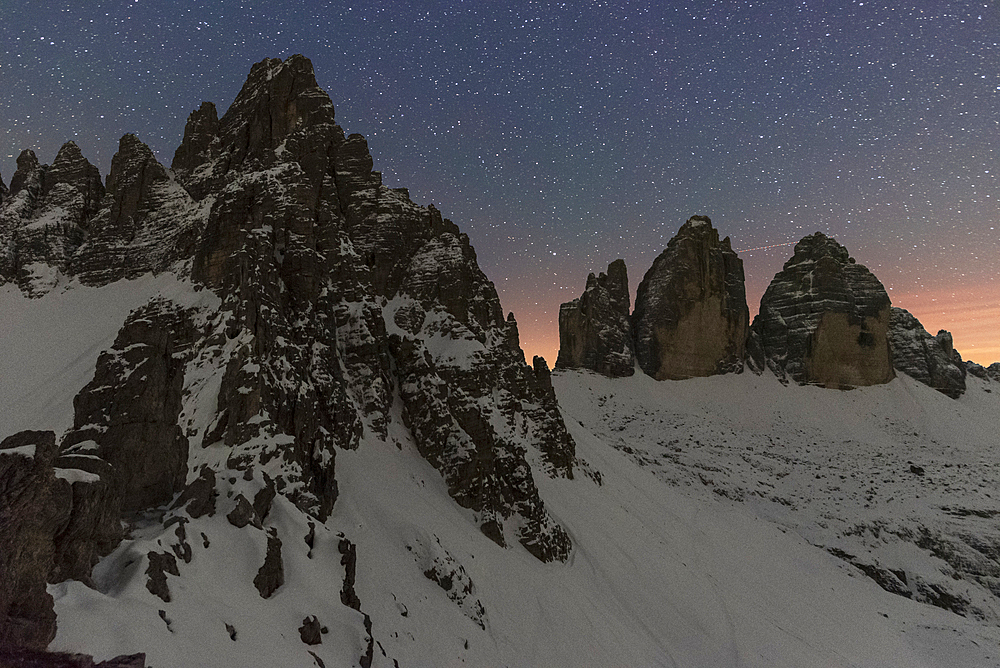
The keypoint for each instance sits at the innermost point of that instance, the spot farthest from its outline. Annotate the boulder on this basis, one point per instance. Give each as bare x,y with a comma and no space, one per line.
594,329
691,312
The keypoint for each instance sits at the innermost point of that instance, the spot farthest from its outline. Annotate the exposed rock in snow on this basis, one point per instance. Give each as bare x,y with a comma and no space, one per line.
28,519
271,574
127,415
823,320
691,310
146,222
594,329
990,373
25,658
929,359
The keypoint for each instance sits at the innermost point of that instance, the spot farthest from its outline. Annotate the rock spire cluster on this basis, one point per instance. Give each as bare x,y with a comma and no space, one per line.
824,320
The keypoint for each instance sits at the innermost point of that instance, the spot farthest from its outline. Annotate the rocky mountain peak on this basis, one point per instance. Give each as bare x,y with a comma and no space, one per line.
823,320
73,170
594,329
200,133
277,98
691,313
134,172
28,170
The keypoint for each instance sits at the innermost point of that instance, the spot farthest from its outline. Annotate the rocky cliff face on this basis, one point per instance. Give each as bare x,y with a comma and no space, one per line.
44,220
988,373
339,311
930,359
691,311
594,330
823,320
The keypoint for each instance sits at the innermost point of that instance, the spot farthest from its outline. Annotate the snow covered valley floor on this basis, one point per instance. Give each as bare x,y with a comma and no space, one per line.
727,521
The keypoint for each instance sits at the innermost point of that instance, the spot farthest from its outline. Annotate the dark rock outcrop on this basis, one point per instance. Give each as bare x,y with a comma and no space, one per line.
28,521
27,658
311,631
127,415
929,359
160,565
990,373
92,525
271,574
823,320
691,310
594,330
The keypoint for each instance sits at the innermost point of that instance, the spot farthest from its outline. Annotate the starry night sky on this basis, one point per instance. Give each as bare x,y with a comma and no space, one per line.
562,136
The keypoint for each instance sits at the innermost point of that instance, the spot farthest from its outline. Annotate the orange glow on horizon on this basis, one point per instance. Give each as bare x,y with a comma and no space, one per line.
973,321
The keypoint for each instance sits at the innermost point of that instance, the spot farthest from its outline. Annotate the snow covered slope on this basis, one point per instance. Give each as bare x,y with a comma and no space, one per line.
694,537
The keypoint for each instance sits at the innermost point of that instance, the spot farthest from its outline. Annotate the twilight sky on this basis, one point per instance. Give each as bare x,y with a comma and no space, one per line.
562,136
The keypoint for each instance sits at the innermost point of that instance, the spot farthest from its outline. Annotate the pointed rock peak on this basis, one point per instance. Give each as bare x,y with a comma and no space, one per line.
27,164
72,169
277,99
131,161
594,330
691,313
134,170
68,152
201,130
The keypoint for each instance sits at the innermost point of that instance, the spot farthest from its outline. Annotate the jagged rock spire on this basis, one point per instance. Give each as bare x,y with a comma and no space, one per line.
691,313
594,329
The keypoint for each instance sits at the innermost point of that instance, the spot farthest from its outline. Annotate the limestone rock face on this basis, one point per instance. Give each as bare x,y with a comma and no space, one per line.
29,516
691,310
319,312
594,330
147,221
43,223
823,320
127,415
929,359
201,138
